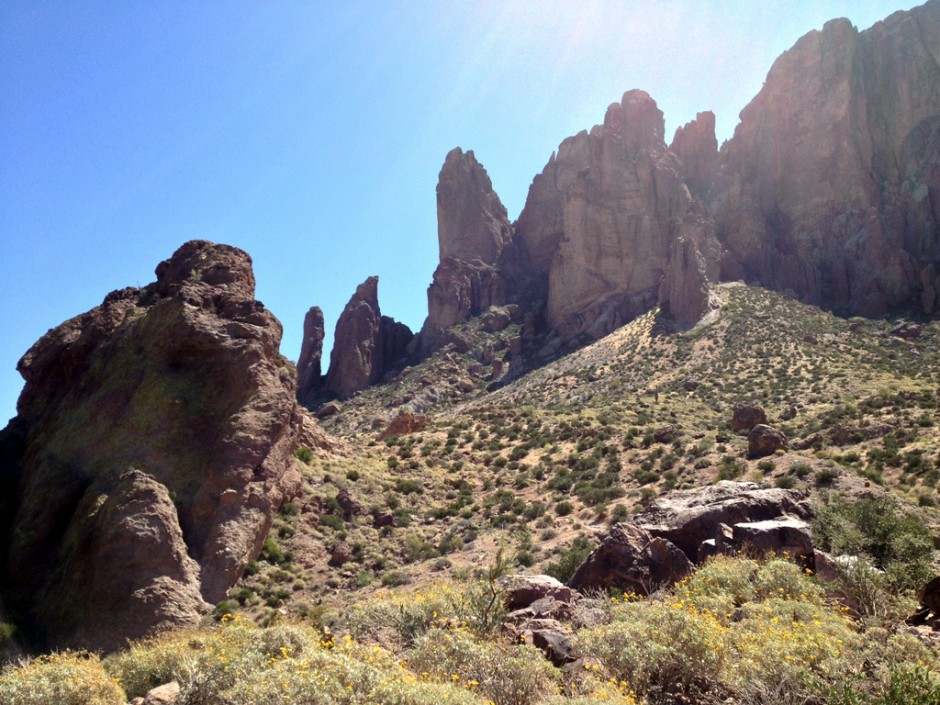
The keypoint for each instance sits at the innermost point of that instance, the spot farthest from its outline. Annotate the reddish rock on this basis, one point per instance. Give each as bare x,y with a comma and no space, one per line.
403,424
765,440
473,230
365,344
633,560
309,373
747,416
181,382
602,217
472,223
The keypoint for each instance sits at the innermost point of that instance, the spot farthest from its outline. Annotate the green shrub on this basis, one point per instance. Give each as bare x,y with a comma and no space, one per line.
304,454
895,538
59,679
665,651
517,675
569,559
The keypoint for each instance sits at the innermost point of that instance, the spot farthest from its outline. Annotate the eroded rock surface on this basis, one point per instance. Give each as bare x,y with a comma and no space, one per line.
366,343
175,391
831,184
309,370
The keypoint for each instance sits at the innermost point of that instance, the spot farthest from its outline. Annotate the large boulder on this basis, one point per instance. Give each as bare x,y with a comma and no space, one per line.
365,344
764,440
152,447
747,416
688,518
631,559
830,187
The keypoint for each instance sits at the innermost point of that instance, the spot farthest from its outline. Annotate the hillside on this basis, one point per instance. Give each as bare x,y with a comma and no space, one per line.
559,453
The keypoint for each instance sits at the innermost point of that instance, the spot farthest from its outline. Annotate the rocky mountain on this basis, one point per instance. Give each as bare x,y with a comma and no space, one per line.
829,188
827,192
152,447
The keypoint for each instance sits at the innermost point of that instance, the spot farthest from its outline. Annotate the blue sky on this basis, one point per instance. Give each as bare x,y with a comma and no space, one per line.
311,133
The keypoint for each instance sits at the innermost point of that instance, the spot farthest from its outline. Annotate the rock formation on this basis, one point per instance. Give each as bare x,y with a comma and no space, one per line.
830,188
606,215
473,230
309,373
152,447
697,148
366,343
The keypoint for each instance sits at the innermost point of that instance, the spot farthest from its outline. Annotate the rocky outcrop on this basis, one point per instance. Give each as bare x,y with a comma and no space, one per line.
472,223
603,219
830,188
764,440
473,231
747,416
309,373
685,527
633,560
688,518
365,344
154,445
697,148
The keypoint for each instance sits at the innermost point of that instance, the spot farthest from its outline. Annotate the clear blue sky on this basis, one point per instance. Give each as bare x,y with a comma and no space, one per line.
311,133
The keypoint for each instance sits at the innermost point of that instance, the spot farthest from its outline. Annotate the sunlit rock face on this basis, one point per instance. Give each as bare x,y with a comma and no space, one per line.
604,217
473,232
829,188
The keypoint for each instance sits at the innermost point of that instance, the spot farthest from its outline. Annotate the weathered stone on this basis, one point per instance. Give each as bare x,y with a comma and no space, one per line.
602,218
175,390
747,416
666,434
403,424
350,505
765,440
472,223
697,148
633,560
309,374
829,187
366,343
785,536
340,554
689,517
520,591
166,694
907,331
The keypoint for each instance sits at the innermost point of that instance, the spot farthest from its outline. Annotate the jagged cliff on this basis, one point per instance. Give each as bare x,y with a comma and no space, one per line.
829,188
828,192
152,446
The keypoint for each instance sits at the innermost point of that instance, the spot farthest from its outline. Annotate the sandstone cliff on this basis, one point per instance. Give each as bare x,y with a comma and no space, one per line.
365,344
829,188
152,447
